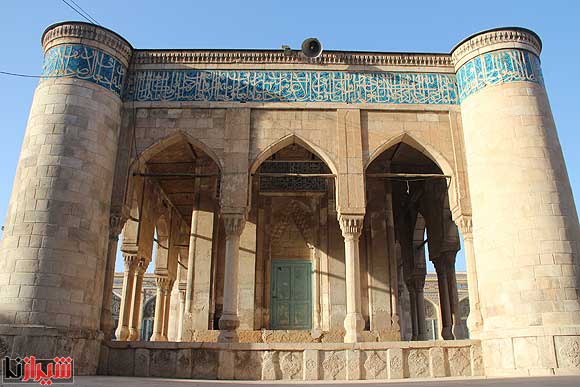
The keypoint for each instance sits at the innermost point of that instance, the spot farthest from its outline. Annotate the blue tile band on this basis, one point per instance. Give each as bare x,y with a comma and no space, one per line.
86,63
292,86
93,65
498,67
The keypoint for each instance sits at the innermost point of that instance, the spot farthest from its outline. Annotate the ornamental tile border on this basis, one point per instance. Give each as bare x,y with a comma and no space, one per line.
492,68
93,65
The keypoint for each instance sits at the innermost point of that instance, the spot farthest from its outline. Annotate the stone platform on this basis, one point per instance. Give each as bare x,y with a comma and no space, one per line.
293,361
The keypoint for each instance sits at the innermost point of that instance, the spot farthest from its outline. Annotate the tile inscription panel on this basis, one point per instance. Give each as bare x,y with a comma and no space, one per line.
386,87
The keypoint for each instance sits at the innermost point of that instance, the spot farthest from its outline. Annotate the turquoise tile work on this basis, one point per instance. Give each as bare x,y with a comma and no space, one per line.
293,86
497,67
93,65
87,63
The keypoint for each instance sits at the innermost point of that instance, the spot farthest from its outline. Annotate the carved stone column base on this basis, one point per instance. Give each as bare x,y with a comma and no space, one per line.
228,337
229,322
122,333
447,333
133,334
354,325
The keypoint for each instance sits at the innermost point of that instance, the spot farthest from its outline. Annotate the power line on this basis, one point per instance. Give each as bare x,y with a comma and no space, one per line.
31,76
84,14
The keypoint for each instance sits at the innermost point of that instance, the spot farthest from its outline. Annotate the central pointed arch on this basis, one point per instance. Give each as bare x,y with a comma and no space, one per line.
290,140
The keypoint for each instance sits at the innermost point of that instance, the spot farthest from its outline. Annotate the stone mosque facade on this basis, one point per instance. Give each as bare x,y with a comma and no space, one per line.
283,205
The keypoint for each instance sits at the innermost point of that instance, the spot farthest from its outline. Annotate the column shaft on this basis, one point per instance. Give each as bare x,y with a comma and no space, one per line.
351,227
136,304
475,319
115,226
444,301
229,321
158,320
420,313
122,331
166,309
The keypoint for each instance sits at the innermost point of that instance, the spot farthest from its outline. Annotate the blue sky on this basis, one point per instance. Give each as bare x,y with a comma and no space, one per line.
421,26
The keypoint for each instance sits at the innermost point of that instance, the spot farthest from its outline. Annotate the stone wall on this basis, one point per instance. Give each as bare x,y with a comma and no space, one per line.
293,361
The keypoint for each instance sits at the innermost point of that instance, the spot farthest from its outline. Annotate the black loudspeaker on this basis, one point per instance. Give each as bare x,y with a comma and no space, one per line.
311,48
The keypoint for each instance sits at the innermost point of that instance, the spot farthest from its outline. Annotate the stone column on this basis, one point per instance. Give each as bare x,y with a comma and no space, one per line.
115,226
229,321
444,299
166,309
123,331
162,286
351,226
181,313
457,326
137,298
316,320
413,310
526,232
474,320
55,233
420,296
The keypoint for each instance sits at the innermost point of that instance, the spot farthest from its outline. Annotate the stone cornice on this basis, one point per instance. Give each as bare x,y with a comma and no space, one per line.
142,57
508,37
86,31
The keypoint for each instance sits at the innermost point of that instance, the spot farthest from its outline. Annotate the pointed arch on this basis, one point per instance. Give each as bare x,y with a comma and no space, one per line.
172,139
289,140
427,150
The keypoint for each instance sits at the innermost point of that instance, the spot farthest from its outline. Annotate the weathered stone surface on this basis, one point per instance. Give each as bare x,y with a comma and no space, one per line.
142,360
290,365
353,365
270,365
395,363
437,362
333,365
477,366
568,351
460,362
311,365
418,363
248,365
183,368
226,365
375,365
205,364
163,363
121,362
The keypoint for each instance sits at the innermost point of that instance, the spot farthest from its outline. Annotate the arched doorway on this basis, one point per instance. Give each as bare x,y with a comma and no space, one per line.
292,190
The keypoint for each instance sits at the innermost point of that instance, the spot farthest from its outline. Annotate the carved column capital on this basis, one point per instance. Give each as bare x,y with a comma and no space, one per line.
141,267
116,223
163,283
234,224
130,261
465,226
351,225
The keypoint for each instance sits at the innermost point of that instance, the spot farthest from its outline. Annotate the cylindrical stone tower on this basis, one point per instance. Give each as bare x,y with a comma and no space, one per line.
53,252
525,225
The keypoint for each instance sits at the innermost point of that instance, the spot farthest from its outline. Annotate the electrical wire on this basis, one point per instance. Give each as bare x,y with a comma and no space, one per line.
31,76
84,15
85,12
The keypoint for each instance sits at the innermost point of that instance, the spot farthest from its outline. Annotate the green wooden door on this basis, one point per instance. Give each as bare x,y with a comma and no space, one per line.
291,294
